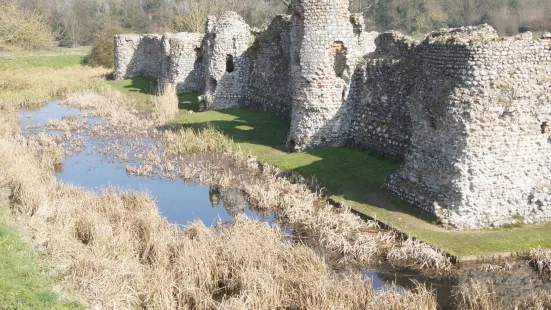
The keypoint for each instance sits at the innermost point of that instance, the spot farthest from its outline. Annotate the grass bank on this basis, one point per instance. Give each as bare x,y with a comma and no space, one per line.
56,59
353,177
24,282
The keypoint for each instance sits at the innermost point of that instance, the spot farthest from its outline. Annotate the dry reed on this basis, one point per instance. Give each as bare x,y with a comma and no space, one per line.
190,141
32,86
477,295
166,102
118,252
541,259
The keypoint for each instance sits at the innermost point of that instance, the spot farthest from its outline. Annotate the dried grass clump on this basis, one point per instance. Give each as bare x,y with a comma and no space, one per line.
9,121
476,295
414,253
28,87
66,124
541,259
123,119
24,176
191,141
537,300
166,102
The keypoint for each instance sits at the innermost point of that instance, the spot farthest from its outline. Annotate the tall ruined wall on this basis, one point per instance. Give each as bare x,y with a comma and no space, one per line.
269,87
382,85
183,61
480,148
138,55
228,65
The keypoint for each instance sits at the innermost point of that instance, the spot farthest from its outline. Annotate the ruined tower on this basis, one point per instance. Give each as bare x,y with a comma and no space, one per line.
227,67
323,54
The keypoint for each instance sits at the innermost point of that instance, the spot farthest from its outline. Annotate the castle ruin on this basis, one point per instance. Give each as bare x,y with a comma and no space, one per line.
468,112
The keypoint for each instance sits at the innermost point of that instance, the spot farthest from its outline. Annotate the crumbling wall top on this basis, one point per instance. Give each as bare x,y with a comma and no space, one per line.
463,35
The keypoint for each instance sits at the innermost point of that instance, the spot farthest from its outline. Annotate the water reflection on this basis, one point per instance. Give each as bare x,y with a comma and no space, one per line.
179,202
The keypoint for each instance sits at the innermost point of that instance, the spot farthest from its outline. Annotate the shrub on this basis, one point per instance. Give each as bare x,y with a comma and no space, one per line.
103,49
23,30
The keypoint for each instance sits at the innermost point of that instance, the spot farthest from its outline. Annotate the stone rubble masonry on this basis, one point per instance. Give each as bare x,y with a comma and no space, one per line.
466,111
172,58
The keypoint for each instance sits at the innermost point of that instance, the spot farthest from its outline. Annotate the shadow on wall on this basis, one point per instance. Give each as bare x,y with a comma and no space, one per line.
141,88
194,81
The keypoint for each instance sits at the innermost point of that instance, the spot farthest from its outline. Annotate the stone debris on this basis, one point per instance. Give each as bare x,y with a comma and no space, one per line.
468,112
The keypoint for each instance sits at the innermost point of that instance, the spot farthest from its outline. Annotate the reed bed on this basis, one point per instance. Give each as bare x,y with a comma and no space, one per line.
541,259
26,88
477,295
118,252
290,196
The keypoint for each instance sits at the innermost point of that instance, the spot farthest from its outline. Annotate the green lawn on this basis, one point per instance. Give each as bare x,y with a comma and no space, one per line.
56,62
23,281
57,58
355,177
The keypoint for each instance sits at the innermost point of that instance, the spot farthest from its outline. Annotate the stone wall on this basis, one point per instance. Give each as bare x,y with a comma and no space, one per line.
227,65
174,58
137,55
480,150
467,112
381,89
183,61
269,87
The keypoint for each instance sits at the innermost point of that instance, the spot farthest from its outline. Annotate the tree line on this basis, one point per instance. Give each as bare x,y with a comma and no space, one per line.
78,22
508,17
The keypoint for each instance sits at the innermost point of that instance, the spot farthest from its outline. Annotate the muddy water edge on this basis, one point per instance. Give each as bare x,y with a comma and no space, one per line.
96,161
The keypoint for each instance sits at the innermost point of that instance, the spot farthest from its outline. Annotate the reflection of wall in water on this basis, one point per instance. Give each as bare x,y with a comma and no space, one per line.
233,200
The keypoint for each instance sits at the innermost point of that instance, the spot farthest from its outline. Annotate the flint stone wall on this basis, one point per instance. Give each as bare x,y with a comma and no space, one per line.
227,64
138,55
467,112
382,85
269,87
480,148
173,58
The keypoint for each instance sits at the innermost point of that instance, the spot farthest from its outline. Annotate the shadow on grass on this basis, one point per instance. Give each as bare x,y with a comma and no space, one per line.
142,88
189,101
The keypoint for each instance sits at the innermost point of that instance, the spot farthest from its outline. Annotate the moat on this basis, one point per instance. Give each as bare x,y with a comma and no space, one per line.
94,167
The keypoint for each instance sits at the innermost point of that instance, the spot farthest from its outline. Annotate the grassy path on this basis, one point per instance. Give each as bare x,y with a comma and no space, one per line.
351,176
